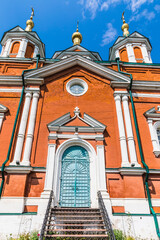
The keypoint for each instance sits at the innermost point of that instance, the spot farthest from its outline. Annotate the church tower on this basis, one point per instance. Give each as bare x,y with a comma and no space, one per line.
134,47
20,43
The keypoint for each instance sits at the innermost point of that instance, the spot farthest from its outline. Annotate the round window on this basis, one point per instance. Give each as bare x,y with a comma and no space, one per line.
77,87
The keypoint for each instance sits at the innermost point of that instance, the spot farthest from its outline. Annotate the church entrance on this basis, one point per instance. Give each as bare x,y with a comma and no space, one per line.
75,178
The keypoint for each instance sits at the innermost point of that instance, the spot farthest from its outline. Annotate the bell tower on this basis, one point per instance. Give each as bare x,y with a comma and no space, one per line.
133,47
20,43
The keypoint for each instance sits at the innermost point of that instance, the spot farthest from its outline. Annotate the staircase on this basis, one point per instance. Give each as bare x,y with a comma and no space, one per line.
75,223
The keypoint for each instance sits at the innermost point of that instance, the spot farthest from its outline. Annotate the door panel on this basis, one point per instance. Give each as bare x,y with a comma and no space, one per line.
75,178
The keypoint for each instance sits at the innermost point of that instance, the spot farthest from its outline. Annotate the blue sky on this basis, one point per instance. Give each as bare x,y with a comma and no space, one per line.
99,22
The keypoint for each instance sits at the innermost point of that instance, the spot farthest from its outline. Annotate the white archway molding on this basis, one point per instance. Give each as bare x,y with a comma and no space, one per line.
94,173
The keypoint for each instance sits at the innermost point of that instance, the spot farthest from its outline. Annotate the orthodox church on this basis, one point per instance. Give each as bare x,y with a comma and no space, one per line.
79,137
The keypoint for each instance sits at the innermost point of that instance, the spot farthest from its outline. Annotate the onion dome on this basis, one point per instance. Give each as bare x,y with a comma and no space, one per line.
77,37
125,27
30,23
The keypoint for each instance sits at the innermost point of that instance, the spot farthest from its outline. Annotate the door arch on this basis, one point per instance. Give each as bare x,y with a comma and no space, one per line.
75,178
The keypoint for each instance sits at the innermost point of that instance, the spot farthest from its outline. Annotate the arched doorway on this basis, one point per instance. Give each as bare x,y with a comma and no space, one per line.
75,178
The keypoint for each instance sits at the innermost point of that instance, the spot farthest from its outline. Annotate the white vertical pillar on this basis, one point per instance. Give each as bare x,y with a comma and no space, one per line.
146,56
122,136
36,50
130,138
1,119
48,186
22,129
101,168
7,48
130,52
30,132
22,48
117,55
153,136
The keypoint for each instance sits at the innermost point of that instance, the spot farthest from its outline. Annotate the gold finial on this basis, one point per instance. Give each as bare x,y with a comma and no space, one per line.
76,36
125,27
30,23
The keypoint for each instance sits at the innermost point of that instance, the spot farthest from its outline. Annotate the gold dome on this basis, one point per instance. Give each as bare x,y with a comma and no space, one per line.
30,23
77,37
125,27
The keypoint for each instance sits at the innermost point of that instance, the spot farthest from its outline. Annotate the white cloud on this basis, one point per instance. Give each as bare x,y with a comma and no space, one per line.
145,13
109,35
92,6
157,8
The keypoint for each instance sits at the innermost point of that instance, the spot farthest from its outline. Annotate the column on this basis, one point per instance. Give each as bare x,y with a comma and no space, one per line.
130,138
30,132
130,52
153,137
36,50
48,186
7,48
101,168
145,54
22,130
122,136
117,54
1,119
22,48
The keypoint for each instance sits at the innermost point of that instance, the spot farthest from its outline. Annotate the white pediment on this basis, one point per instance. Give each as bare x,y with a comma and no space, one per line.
153,112
91,124
96,68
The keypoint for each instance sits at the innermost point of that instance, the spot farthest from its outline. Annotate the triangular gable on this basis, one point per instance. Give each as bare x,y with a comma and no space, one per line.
3,109
153,112
90,124
96,68
77,49
16,29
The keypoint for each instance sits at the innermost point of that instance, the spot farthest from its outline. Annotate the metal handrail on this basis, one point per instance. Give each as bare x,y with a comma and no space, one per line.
46,216
106,219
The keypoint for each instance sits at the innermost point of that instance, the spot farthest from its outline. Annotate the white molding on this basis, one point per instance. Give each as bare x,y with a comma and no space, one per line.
97,137
10,90
22,48
78,60
130,52
79,82
18,169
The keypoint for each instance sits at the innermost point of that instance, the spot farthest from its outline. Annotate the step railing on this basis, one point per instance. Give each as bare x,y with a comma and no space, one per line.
41,237
106,218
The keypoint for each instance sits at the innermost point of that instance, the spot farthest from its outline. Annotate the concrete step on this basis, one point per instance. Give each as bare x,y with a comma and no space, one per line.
83,236
79,225
56,217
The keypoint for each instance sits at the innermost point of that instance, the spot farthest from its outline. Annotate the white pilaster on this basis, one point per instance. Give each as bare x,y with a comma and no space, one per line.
101,168
122,136
117,55
22,129
36,50
130,138
130,52
22,48
30,132
146,56
153,134
7,48
1,119
50,167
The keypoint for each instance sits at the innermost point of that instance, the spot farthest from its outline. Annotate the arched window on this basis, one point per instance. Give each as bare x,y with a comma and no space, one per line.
29,50
138,54
123,55
14,49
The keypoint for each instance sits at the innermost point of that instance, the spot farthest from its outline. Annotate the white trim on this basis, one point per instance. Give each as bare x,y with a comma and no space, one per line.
122,135
130,137
30,132
93,170
130,52
97,137
10,90
22,130
79,82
